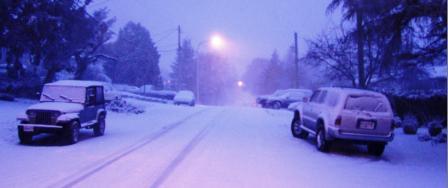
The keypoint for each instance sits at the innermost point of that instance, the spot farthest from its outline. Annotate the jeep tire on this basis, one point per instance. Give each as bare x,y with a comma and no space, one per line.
376,149
72,132
296,130
100,127
322,144
25,137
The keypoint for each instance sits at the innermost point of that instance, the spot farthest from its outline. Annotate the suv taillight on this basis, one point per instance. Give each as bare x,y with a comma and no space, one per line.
338,121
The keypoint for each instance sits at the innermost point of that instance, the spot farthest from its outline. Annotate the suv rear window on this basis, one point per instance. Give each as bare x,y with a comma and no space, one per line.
366,103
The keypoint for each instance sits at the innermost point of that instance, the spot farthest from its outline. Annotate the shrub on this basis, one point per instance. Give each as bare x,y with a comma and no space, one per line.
121,106
410,124
435,127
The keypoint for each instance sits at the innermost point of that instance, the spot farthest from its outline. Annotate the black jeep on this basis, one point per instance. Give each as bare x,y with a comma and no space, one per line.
64,108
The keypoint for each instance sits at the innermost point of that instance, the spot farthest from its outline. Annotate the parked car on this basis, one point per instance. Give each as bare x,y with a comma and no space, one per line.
161,94
283,98
184,97
261,100
343,114
64,108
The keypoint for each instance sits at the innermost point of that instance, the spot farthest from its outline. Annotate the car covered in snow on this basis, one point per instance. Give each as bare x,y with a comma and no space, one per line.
283,98
184,97
345,114
64,108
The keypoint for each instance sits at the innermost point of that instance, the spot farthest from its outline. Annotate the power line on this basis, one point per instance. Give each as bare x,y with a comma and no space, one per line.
164,37
164,32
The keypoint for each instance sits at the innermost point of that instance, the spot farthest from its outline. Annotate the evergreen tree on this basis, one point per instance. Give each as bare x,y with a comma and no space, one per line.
273,74
254,76
44,35
137,58
217,79
184,68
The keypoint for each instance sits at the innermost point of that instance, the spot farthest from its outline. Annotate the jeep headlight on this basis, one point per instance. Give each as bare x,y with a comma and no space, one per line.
31,114
54,116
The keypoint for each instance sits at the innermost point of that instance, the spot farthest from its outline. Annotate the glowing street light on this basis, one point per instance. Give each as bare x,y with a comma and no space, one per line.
240,83
215,41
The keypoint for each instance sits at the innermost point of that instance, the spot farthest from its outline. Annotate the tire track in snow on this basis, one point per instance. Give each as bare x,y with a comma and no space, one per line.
181,156
77,177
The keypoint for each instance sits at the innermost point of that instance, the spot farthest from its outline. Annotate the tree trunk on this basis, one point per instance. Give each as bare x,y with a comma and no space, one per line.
82,63
360,41
51,74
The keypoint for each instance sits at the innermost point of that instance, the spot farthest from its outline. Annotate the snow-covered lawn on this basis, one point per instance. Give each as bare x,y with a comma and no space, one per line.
179,146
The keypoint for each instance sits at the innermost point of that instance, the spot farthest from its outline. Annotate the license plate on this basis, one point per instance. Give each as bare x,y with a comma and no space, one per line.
366,125
28,128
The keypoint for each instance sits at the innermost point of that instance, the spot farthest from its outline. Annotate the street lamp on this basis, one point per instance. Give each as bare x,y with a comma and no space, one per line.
240,84
216,42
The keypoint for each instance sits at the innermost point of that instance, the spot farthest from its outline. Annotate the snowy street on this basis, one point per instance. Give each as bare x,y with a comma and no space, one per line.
205,146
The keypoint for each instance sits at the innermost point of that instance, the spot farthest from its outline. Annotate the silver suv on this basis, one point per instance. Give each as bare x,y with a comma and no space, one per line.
343,114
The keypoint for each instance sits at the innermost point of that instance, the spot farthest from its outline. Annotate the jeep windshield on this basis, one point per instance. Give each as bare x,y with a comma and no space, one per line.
54,93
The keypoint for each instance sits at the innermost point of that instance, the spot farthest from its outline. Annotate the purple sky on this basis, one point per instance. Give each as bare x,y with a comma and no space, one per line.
253,28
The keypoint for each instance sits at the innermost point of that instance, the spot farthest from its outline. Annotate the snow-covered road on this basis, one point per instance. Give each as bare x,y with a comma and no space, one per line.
178,146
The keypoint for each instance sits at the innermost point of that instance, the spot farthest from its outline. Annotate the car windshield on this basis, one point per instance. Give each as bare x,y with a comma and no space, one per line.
279,93
366,103
63,94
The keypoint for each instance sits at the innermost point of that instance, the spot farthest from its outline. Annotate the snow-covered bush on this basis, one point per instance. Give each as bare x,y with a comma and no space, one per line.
435,126
397,122
121,106
410,124
6,97
440,138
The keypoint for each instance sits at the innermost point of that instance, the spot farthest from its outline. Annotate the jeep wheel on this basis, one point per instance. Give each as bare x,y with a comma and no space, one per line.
276,105
25,137
296,130
376,149
100,127
72,132
322,144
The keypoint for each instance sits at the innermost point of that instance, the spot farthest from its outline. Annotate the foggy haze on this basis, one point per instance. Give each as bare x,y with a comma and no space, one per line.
254,28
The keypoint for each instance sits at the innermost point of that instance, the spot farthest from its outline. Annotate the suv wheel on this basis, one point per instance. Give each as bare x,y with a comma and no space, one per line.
25,137
276,105
322,144
72,132
376,149
296,130
100,127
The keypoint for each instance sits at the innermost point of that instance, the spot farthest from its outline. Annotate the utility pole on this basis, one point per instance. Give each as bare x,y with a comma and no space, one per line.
178,38
296,62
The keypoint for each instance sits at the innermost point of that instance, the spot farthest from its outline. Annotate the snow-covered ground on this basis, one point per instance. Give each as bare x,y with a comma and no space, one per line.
179,146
